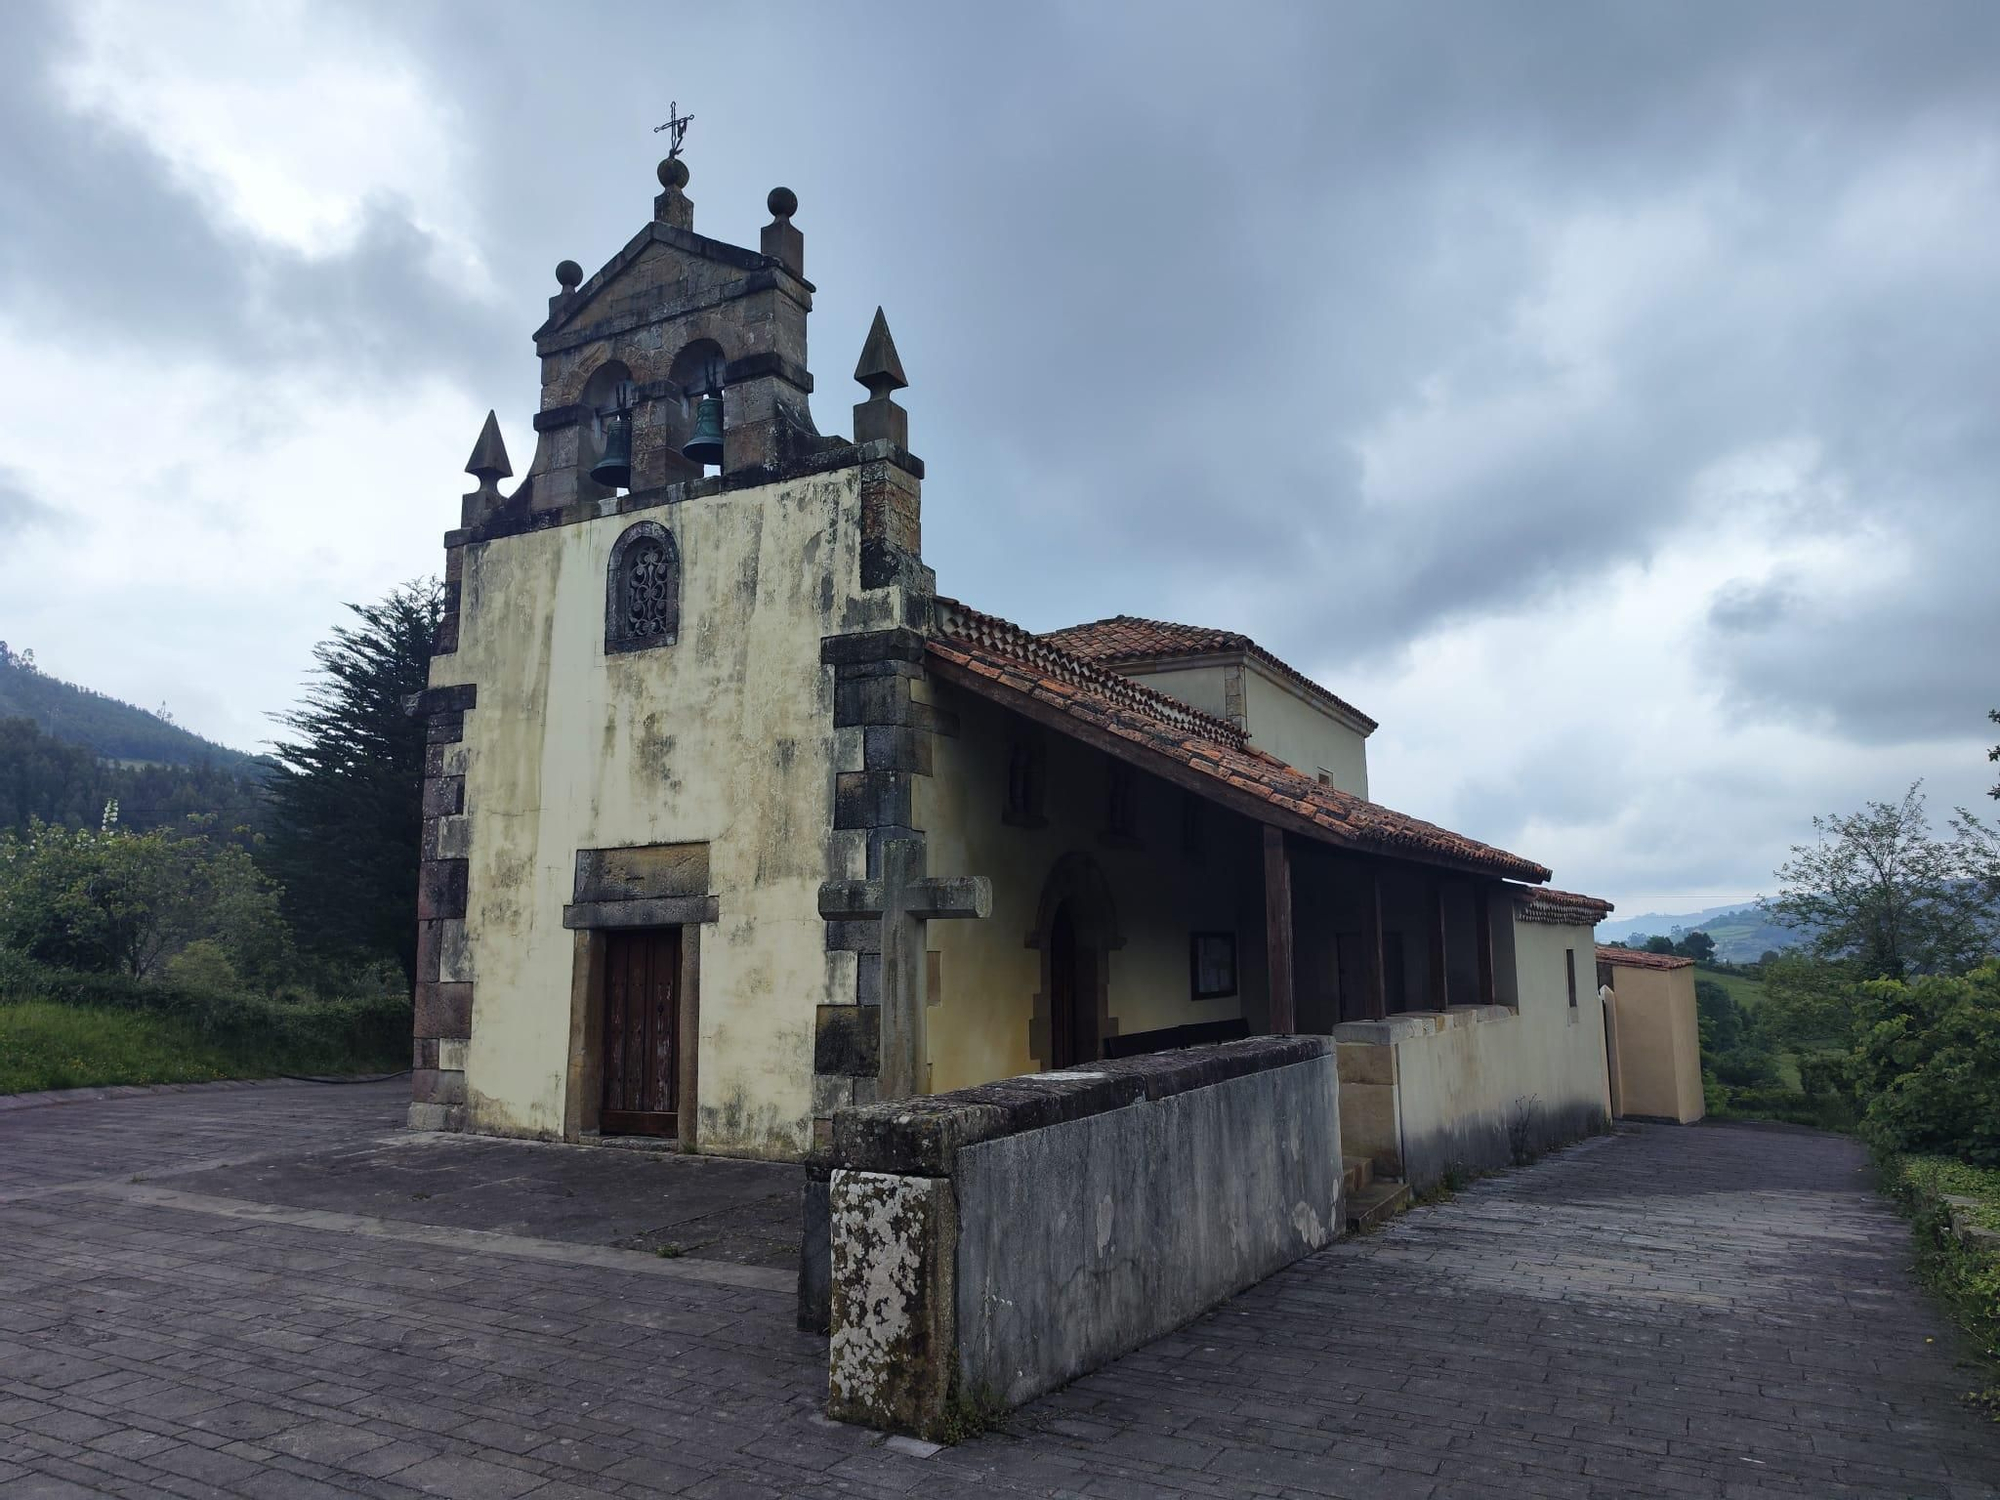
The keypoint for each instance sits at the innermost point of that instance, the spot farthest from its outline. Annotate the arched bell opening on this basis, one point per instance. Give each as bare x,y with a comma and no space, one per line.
605,460
697,372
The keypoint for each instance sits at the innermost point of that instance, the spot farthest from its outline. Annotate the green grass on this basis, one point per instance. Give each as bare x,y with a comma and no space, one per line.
44,1045
1748,993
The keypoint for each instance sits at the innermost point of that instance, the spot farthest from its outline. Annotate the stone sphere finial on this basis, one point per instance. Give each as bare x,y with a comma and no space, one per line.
783,203
569,275
673,173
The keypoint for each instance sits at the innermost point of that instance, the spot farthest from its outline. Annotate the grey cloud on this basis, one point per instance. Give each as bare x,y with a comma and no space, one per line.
101,243
20,509
1159,274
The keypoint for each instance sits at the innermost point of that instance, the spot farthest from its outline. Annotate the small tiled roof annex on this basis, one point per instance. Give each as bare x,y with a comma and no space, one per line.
1634,958
1131,638
1562,908
1000,660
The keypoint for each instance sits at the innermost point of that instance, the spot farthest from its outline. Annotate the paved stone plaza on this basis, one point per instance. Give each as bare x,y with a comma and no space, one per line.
273,1291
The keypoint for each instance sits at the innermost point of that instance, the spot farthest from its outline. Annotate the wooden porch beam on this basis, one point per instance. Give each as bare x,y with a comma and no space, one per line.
1440,991
1278,930
1378,960
1482,937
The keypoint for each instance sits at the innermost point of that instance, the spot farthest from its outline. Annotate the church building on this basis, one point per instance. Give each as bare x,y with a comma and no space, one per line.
733,819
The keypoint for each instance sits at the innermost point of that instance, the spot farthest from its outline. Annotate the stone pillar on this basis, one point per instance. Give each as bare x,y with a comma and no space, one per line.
443,1003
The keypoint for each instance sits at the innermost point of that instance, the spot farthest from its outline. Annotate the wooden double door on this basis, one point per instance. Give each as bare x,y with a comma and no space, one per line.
642,1032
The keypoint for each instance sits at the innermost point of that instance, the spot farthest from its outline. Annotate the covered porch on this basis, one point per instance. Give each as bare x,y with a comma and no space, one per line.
1175,886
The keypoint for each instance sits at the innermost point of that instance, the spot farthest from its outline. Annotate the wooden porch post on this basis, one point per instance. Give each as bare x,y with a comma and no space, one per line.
1278,929
1378,964
1482,936
1440,992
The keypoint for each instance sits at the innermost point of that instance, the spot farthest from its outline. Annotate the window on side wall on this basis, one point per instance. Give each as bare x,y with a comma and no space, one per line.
1027,775
1569,964
1121,805
1194,826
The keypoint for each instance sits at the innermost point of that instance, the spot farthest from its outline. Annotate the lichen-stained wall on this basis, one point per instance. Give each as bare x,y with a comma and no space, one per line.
725,737
989,976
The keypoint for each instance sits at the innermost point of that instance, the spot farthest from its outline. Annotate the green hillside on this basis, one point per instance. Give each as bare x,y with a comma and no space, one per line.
1748,993
108,728
1743,937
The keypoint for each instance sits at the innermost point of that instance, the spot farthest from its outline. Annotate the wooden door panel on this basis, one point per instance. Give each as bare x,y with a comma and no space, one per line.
641,1032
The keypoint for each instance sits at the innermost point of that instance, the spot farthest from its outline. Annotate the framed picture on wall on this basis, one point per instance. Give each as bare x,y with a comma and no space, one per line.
1212,964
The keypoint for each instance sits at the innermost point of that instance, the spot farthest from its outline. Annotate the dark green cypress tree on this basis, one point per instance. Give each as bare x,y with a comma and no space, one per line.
347,793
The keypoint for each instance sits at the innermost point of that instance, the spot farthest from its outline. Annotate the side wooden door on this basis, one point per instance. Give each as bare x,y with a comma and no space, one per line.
641,1041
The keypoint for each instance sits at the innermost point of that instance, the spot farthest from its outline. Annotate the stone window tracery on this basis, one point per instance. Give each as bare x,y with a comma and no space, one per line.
642,605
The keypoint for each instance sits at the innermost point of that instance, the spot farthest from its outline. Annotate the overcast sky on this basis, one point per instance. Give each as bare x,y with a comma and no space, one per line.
1601,396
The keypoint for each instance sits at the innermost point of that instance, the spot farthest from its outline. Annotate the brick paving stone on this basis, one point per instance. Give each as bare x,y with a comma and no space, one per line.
1721,1311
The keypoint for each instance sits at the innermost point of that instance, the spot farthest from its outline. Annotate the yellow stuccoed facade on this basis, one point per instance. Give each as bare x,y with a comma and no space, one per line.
725,737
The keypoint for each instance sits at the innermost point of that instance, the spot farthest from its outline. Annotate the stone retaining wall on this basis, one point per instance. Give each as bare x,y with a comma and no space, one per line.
993,1243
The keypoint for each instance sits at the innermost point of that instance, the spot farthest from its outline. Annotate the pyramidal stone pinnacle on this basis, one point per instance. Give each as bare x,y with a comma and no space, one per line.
880,368
489,455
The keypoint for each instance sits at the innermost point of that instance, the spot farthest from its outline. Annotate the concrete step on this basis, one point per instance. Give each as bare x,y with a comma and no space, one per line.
1376,1204
1358,1172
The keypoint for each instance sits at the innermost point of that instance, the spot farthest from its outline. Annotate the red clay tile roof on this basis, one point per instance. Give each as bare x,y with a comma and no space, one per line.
1024,671
1130,638
1563,908
1633,958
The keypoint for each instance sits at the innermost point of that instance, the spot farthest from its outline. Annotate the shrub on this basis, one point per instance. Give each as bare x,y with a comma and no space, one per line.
1965,1276
202,965
127,902
1826,1076
1927,1067
1751,1070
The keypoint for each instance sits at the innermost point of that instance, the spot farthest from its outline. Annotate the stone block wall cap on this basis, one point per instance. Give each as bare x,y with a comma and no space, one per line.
922,1137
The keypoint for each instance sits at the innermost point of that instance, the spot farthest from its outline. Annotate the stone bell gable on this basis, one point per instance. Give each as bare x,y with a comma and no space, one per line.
675,313
697,668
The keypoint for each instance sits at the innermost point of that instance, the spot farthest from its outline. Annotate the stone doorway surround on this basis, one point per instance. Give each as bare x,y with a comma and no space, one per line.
636,886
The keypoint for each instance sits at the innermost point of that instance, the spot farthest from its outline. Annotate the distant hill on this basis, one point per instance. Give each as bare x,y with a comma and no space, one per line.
112,730
1741,934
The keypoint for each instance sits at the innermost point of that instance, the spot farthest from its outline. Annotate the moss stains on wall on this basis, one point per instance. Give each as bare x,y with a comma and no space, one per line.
724,738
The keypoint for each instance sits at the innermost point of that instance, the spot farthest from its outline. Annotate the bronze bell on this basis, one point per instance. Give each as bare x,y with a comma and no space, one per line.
614,469
704,444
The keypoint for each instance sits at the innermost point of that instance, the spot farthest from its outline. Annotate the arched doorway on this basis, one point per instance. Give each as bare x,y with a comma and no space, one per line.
1073,1028
1076,930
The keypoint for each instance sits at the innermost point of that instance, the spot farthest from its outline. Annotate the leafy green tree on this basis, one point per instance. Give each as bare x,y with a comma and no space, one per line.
1928,1065
1886,899
1660,944
1809,1002
122,902
347,794
1698,946
1719,1017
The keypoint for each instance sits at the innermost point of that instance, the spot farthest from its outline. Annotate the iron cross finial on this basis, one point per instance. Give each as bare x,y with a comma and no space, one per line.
678,123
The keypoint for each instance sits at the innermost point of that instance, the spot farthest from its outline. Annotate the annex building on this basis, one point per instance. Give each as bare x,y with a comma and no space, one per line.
734,820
